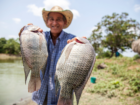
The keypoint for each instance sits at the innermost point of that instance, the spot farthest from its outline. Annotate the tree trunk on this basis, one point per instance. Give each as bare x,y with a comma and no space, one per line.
112,53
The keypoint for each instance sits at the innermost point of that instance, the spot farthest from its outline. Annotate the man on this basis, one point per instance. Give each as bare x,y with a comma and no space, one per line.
56,19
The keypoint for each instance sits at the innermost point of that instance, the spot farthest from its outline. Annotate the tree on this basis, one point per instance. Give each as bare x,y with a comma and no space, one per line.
120,32
12,46
2,43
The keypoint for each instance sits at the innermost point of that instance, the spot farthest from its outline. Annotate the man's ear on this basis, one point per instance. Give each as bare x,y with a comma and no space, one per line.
47,22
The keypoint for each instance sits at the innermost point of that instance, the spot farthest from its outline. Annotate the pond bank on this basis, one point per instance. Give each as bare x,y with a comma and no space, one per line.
26,101
8,56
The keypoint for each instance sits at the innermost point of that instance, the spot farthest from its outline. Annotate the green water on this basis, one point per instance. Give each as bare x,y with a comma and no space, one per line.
12,82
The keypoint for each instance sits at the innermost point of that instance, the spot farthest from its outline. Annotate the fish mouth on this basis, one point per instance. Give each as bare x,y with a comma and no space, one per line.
78,41
35,31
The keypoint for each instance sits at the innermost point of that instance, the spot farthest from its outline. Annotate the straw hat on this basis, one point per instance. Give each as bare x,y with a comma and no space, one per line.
67,13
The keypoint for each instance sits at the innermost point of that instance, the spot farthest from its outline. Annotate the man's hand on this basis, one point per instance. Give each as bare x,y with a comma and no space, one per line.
21,31
40,30
68,41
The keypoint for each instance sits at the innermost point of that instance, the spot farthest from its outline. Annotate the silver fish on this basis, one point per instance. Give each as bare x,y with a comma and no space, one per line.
34,55
136,46
73,70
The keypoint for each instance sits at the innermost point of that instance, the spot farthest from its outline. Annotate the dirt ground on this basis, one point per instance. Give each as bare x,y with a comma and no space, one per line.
89,98
27,101
86,99
8,56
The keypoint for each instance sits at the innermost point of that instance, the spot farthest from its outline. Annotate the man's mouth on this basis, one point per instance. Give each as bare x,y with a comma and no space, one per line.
55,27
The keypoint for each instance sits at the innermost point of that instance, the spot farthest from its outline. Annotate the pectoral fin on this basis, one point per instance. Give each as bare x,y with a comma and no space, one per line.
43,69
26,71
65,54
26,67
67,50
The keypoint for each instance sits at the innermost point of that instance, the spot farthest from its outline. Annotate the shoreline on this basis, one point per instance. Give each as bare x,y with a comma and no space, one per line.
25,101
9,56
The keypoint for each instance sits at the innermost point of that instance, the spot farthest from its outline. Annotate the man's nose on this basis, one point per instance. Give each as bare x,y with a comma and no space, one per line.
54,22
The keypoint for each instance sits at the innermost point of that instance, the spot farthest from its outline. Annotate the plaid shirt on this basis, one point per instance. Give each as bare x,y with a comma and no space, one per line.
47,83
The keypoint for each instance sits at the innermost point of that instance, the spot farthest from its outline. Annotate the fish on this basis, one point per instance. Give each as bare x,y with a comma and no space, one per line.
73,70
136,46
34,54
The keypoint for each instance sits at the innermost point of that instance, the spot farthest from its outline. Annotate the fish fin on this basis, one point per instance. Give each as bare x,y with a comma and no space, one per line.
43,69
65,52
26,70
57,84
26,67
68,50
34,84
63,101
78,91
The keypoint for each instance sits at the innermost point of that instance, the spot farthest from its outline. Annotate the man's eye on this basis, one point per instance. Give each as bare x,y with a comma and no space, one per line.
51,19
59,20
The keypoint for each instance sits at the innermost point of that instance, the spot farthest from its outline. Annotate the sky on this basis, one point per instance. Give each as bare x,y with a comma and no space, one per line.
14,14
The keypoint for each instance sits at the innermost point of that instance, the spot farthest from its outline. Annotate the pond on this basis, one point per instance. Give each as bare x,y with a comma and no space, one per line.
12,82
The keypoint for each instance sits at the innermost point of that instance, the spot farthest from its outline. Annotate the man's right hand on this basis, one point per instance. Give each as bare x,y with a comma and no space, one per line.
40,30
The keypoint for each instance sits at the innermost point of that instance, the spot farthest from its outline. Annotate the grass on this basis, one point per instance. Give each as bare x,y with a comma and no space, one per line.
119,83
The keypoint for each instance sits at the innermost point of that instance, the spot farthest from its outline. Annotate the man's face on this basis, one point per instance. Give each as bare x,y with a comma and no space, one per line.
56,22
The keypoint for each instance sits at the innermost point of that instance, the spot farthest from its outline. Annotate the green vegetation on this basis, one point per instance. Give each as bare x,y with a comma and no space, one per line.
121,79
10,46
136,57
120,32
104,54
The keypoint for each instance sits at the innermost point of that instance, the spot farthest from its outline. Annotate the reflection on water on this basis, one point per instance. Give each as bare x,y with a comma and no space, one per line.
12,82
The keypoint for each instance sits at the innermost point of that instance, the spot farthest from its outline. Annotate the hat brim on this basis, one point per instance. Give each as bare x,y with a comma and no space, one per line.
67,13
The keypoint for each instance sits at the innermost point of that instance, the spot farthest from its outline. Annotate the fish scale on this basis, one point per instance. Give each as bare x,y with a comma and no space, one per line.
73,72
34,55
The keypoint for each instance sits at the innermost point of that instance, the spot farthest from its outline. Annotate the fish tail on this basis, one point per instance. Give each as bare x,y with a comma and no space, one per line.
63,101
34,84
66,96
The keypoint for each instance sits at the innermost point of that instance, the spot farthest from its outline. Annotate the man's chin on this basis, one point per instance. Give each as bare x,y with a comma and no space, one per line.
55,31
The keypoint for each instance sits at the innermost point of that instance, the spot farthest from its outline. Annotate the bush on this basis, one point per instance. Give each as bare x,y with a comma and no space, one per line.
10,46
136,57
135,84
2,43
103,54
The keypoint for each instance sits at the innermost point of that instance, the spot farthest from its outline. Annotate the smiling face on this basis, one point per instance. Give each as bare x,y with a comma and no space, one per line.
56,22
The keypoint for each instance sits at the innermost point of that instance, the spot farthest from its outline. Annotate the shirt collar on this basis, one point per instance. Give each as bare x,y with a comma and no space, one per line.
60,36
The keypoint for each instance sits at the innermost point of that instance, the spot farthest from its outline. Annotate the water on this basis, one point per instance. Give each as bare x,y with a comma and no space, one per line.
12,82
